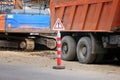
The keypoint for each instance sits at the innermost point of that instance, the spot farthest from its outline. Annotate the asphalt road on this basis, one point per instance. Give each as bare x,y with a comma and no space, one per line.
18,72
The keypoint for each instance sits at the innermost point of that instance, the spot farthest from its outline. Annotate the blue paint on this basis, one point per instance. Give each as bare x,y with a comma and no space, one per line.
24,21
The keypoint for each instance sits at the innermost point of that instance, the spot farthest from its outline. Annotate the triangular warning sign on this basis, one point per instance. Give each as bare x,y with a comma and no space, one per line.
58,25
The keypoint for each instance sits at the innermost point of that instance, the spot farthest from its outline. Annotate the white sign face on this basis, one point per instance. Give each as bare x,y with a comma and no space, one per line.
58,25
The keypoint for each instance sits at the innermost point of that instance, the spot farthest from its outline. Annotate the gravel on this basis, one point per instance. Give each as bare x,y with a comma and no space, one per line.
47,59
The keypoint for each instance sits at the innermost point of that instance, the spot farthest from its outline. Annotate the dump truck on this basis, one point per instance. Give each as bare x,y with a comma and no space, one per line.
92,29
25,26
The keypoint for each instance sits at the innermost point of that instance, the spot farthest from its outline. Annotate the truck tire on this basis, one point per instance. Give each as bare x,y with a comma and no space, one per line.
117,54
118,57
68,48
84,51
27,45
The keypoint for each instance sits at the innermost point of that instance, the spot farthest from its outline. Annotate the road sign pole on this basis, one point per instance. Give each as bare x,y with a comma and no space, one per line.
58,26
58,52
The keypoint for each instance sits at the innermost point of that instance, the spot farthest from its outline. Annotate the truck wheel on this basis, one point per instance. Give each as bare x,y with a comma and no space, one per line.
84,51
117,54
27,45
118,57
68,48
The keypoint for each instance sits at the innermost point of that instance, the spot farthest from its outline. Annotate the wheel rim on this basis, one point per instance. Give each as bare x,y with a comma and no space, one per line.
23,45
64,48
83,50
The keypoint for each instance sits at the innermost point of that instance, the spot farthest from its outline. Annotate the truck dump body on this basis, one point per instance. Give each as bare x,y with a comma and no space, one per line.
87,15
